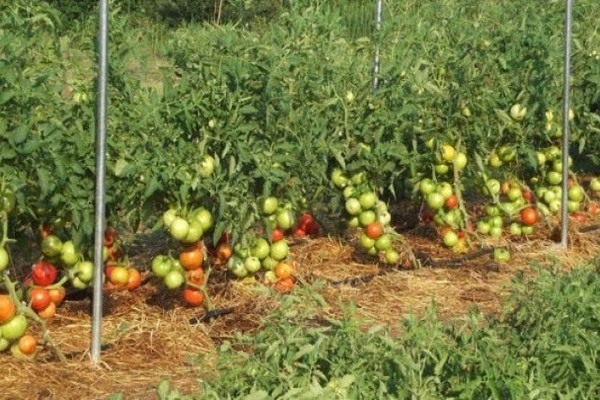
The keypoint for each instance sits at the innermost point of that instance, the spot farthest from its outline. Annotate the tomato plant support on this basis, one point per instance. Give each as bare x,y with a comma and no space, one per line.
564,235
100,178
376,57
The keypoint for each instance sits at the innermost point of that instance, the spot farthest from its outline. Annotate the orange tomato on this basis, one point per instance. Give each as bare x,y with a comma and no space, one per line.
283,270
7,308
284,285
374,230
193,297
195,276
192,257
48,312
57,295
135,279
27,344
224,252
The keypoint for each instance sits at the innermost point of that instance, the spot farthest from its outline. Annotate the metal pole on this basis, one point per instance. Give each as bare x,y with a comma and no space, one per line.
100,174
376,58
564,234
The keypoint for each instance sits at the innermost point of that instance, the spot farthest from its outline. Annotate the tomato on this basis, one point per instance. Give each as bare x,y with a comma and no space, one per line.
161,265
192,297
4,260
279,250
195,277
110,236
119,276
51,246
374,230
27,344
269,205
383,242
501,254
367,200
515,229
45,230
299,232
353,206
43,273
445,189
460,161
14,328
527,230
283,270
174,279
573,206
4,344
179,228
284,285
426,186
285,219
312,228
495,231
517,112
451,202
48,312
483,227
447,153
529,216
270,277
237,268
261,248
576,193
592,209
269,263
204,218
514,194
57,295
7,308
224,252
192,257
206,166
366,217
595,184
252,264
435,200
450,239
85,271
277,234
338,178
134,280
39,298
441,169
554,178
579,216
366,242
68,254
358,178
528,195
169,216
491,187
391,256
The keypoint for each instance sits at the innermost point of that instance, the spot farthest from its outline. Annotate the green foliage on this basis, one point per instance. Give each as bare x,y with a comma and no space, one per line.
545,346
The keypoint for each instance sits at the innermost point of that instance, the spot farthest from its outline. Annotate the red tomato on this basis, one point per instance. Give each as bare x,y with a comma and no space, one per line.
451,202
43,273
193,297
277,234
40,298
374,230
529,216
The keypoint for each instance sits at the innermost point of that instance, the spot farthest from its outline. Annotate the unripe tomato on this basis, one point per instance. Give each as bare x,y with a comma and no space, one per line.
435,200
383,242
279,250
51,246
252,264
447,153
179,228
174,279
285,219
367,200
269,205
15,328
207,166
353,206
161,265
4,260
391,256
450,239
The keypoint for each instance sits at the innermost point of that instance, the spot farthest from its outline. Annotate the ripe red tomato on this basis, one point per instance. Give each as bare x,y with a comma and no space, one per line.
529,216
40,298
43,273
374,230
451,202
193,297
277,234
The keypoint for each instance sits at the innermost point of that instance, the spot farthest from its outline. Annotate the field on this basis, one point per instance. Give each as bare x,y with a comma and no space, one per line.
279,228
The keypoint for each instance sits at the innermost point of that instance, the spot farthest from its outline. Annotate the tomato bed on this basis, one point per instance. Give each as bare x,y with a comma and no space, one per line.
148,334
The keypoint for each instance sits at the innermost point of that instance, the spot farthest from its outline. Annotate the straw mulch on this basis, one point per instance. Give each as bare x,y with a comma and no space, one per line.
148,335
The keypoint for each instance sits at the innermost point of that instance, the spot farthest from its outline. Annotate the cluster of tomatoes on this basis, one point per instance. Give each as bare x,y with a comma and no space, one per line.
271,253
13,329
442,201
119,273
511,202
42,289
366,212
187,269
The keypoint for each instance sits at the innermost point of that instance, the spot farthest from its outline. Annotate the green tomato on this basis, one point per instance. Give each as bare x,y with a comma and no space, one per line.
85,271
161,265
483,227
353,222
4,260
515,229
169,216
595,184
204,218
353,206
51,246
15,328
207,166
450,239
496,231
269,205
174,279
349,191
237,268
269,263
367,200
339,179
576,193
366,217
441,169
179,228
491,187
427,186
383,242
460,162
279,250
391,256
554,178
366,242
285,219
261,248
252,264
435,200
